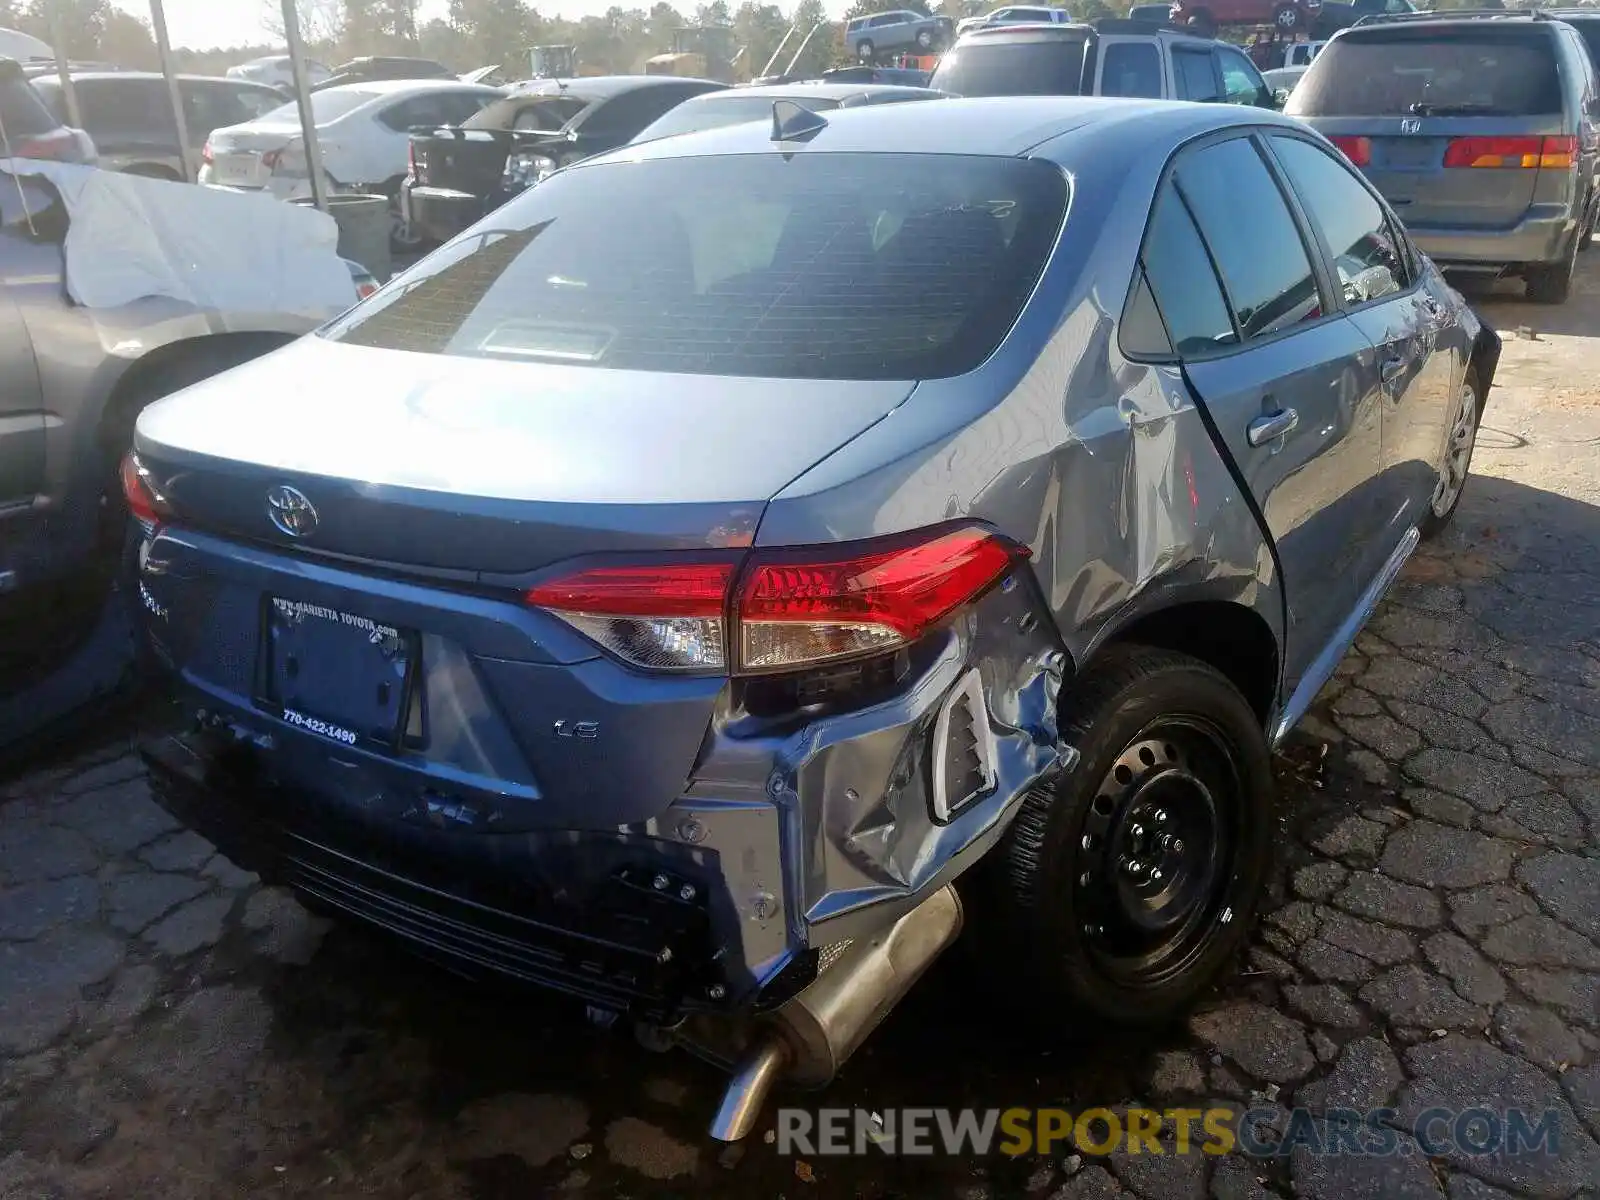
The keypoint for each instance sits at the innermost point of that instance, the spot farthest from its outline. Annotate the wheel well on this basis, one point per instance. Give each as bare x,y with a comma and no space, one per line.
1230,637
166,365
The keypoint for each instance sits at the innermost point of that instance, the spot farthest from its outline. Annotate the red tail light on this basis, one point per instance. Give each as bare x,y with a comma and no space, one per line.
786,609
1555,152
60,146
144,502
206,157
1357,149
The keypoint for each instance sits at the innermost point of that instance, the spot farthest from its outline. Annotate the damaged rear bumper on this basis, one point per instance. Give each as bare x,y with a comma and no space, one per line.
794,831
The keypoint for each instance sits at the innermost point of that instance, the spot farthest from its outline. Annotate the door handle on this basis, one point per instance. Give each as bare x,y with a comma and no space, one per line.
1271,426
1391,370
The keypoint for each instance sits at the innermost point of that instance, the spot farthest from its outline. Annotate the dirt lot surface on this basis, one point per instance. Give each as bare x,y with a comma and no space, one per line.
169,1028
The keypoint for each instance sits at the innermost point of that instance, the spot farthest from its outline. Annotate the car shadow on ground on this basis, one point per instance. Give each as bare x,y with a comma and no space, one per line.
1507,307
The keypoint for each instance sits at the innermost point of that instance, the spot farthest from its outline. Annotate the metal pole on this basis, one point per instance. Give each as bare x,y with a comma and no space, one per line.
158,23
767,70
302,96
793,62
58,34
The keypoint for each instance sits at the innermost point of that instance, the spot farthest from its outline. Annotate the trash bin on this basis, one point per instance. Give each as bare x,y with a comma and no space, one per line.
364,231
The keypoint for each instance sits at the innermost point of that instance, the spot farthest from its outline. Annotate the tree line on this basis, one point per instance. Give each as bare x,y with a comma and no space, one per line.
477,33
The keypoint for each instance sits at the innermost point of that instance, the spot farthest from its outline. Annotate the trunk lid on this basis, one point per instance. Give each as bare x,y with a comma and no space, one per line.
480,466
466,160
245,155
1408,165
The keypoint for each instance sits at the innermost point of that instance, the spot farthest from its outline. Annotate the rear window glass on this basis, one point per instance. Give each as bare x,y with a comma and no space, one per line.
1051,66
1477,73
831,266
724,110
24,115
325,106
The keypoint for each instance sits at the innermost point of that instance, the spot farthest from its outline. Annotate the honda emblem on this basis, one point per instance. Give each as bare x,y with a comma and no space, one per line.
1410,124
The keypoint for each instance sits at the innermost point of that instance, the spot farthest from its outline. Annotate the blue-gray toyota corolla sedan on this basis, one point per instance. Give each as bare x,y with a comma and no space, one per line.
748,558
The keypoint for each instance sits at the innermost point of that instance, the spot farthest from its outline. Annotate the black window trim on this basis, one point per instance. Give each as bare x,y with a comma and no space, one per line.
1309,241
1413,261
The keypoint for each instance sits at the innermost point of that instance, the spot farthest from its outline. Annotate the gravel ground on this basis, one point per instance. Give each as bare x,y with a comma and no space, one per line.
170,1028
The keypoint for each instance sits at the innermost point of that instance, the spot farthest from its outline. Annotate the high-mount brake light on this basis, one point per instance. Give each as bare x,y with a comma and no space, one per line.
787,609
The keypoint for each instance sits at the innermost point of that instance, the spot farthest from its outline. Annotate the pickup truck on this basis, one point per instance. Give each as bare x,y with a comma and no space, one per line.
461,173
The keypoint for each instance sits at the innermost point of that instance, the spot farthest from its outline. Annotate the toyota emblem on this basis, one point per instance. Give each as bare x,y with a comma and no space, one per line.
290,512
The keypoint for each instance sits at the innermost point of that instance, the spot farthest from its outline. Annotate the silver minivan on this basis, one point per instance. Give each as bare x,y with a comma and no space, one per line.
1479,130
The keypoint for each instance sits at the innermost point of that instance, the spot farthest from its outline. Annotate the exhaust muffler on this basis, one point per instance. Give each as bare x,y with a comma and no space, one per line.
809,1038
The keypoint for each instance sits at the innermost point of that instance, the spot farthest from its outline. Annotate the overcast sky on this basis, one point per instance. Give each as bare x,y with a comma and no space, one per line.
206,24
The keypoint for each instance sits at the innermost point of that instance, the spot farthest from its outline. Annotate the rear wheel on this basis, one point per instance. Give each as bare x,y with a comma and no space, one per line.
1286,17
1124,889
1553,284
924,39
864,51
1456,464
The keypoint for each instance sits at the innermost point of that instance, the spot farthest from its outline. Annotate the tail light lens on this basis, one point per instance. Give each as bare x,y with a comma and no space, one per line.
786,610
1558,153
1357,149
206,156
145,503
60,146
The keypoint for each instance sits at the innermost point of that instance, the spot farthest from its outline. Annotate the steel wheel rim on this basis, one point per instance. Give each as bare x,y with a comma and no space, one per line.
1457,453
1287,18
1157,853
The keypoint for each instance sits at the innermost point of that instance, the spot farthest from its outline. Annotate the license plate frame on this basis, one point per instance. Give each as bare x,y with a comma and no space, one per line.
237,169
316,661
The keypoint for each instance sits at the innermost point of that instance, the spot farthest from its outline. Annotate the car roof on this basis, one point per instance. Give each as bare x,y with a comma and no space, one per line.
596,87
386,87
1006,126
97,76
804,91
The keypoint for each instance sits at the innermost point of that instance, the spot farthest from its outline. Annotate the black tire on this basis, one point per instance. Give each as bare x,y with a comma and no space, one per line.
1058,889
925,39
1287,18
1586,237
865,51
1463,439
1553,284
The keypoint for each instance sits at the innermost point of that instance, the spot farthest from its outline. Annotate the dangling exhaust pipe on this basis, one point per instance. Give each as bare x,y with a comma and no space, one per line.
808,1039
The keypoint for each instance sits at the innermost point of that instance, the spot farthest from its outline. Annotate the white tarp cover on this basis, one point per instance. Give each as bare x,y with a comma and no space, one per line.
132,237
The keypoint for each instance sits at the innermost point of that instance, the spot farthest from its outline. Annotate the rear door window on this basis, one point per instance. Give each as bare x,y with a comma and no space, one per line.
1039,66
127,107
1130,69
1468,72
1365,256
1182,280
831,266
1196,75
1245,222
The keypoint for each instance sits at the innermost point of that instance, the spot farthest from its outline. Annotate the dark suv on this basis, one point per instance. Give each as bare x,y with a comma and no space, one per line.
1109,58
1480,130
129,115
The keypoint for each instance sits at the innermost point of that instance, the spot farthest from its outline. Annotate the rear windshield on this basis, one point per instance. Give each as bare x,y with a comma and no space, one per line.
1470,73
325,106
22,113
829,266
1033,67
724,110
